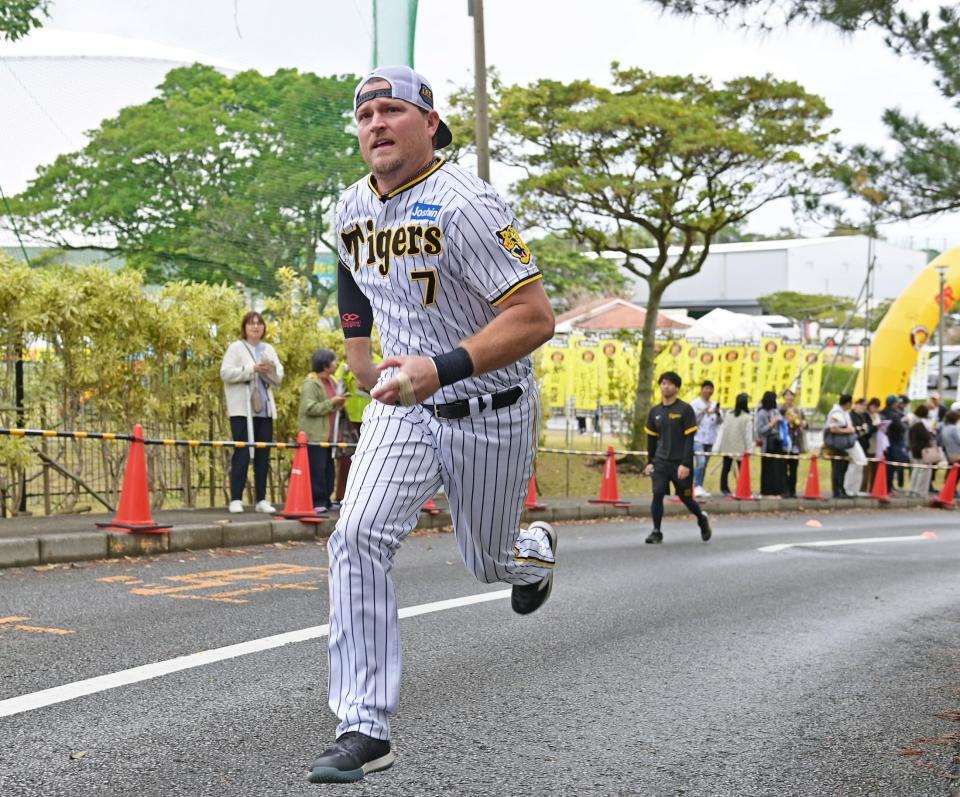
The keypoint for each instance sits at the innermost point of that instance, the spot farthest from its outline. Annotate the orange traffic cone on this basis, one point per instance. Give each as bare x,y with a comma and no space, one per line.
879,490
431,508
945,499
812,493
743,491
532,504
609,491
133,513
299,505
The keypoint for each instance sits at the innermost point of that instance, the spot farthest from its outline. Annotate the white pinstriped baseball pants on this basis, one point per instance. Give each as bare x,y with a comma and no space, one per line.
404,455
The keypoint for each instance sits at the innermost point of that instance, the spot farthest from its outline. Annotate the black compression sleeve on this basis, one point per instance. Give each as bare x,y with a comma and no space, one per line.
356,315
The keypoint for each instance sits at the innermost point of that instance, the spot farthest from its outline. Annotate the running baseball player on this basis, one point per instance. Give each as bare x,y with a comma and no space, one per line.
670,428
431,254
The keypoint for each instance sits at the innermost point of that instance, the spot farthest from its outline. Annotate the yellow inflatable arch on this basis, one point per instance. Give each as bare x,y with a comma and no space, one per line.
908,324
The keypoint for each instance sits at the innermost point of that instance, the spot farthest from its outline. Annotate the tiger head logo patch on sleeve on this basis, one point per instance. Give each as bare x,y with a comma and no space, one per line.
511,241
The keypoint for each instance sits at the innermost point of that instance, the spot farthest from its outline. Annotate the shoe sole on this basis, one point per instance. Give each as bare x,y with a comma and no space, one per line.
548,586
334,775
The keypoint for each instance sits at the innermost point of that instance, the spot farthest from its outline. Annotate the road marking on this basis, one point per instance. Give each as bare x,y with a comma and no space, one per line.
927,535
14,623
101,683
186,586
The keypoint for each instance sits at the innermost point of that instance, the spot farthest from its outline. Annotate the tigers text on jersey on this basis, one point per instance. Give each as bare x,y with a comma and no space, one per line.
433,258
670,430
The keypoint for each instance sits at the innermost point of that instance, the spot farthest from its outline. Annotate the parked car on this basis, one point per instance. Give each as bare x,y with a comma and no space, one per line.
951,370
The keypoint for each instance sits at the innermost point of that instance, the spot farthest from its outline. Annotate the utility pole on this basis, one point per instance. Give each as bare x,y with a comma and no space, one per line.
475,10
942,271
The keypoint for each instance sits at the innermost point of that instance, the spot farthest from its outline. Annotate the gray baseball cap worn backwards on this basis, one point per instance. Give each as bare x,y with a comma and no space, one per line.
405,84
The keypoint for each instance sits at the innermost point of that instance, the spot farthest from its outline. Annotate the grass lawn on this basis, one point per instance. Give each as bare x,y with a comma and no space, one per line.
578,475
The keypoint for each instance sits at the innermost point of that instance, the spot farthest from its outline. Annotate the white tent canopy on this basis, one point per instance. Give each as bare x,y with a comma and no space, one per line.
720,325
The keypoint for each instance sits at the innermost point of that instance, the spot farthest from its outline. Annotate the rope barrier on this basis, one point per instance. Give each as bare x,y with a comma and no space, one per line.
820,456
164,441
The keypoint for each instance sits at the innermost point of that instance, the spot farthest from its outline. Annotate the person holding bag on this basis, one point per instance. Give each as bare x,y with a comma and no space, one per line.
923,451
839,437
772,470
250,370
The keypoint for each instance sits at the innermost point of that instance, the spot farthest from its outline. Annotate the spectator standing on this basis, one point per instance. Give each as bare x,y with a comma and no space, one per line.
707,414
873,410
319,404
860,418
736,439
768,438
950,437
937,410
797,426
838,432
250,370
923,451
356,402
896,433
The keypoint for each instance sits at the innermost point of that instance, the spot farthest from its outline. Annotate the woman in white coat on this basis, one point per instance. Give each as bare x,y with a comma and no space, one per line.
249,371
735,439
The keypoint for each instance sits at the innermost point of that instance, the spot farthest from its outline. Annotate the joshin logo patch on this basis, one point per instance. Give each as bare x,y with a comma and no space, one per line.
424,212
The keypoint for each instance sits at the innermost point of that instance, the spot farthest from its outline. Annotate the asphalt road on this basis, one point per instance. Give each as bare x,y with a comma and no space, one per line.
682,669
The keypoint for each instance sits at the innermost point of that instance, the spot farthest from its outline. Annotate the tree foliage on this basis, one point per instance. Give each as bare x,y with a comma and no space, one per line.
571,277
217,178
672,159
19,17
920,176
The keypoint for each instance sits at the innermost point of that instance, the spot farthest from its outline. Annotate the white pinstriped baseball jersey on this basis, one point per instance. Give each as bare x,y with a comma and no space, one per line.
434,257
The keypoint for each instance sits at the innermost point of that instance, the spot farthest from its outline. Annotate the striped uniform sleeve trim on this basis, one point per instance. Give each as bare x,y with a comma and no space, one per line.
691,430
510,291
648,430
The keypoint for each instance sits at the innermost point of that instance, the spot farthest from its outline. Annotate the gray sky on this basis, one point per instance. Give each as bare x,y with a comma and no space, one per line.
858,76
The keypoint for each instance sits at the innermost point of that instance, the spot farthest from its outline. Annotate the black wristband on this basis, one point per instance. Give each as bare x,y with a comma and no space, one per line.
452,366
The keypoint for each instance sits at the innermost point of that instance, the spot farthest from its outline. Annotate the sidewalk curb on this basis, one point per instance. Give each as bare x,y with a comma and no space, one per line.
87,545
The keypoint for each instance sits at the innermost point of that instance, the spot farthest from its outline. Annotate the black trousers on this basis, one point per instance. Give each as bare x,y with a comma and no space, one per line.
725,474
321,474
791,466
838,470
240,463
772,472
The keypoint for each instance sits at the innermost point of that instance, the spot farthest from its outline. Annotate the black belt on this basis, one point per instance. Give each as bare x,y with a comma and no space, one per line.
465,407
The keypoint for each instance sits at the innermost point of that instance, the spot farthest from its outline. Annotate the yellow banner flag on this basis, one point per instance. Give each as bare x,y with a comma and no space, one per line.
811,377
752,373
770,368
586,375
555,380
708,361
731,372
791,352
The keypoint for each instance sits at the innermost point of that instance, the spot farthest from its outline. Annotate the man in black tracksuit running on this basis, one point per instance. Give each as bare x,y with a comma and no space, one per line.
671,425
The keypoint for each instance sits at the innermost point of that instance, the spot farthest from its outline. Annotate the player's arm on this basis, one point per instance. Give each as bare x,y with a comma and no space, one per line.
689,425
356,318
652,440
524,321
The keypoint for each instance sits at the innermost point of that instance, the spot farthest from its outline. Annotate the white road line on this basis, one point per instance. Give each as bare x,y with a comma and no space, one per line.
927,535
60,694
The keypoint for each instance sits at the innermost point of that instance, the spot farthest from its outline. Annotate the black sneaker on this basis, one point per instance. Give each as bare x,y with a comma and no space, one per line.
351,757
704,523
654,537
527,598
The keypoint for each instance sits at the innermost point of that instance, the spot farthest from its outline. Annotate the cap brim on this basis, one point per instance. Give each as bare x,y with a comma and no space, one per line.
443,137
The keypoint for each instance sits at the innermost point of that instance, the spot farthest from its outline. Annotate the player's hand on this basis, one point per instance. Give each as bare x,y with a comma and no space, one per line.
648,469
338,401
422,373
682,472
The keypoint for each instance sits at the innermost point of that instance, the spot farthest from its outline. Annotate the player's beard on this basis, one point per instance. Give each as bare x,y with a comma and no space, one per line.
388,168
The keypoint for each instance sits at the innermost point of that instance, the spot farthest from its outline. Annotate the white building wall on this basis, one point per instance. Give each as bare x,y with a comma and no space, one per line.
735,275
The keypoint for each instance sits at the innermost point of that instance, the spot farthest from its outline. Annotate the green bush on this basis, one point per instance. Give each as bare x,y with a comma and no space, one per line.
838,379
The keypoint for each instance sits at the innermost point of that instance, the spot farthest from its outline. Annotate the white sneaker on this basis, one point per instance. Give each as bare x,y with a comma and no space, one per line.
236,507
705,493
265,507
698,492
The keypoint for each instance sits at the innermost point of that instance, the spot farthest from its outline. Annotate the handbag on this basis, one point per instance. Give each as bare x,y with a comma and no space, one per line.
256,397
839,441
932,455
